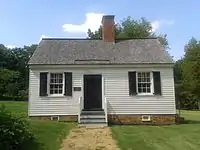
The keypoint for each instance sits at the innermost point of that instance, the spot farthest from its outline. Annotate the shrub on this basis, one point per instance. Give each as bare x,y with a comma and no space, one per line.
15,98
15,133
23,93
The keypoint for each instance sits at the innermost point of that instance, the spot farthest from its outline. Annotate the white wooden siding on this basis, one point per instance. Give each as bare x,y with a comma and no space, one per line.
116,90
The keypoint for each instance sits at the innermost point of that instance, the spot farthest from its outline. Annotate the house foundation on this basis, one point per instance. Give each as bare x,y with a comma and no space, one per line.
68,118
123,119
137,119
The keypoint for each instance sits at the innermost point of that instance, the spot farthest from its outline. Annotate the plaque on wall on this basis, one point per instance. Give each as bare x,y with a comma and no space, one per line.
77,88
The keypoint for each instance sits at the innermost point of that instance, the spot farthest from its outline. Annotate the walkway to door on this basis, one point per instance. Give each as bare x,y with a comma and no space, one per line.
89,139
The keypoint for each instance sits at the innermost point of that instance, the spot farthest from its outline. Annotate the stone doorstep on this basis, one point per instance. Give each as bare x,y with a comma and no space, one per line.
100,125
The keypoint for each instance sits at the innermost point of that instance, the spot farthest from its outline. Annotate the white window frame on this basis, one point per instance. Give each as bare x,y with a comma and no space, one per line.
63,83
151,81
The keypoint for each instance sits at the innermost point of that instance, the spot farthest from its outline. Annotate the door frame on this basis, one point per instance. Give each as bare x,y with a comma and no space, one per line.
102,86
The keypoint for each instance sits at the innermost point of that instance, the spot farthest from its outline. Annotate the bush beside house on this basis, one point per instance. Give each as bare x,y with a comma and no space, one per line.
15,133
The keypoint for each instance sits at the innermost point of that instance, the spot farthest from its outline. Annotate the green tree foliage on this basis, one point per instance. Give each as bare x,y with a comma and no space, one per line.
190,68
129,28
10,82
15,133
187,76
14,70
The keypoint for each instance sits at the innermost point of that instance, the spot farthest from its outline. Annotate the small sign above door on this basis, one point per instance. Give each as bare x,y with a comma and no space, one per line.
77,88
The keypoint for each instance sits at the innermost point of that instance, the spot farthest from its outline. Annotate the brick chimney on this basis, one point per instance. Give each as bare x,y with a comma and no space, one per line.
108,33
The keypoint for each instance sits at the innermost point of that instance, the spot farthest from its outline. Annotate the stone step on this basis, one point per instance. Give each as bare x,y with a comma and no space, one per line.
92,113
93,125
93,120
92,116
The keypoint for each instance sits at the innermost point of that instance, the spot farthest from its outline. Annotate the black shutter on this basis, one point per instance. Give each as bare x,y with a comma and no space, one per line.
68,83
43,84
157,83
132,83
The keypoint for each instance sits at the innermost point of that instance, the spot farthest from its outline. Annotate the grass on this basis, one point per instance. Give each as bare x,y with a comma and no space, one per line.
191,115
16,107
47,132
173,137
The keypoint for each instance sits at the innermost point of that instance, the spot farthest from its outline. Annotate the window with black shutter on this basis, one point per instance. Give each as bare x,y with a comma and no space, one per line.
157,83
68,84
56,84
132,83
43,84
144,83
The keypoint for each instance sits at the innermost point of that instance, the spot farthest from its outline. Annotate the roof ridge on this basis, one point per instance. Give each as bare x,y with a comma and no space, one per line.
118,39
68,39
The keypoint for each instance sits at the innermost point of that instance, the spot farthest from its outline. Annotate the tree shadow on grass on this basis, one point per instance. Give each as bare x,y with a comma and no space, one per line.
190,122
181,120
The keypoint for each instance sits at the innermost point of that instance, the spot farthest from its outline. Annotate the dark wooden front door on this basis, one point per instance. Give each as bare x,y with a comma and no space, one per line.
92,92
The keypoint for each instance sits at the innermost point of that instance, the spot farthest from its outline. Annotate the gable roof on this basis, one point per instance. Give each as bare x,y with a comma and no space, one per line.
86,51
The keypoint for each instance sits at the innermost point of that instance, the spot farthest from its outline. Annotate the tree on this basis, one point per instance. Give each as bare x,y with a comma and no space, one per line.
2,55
9,82
190,68
13,65
130,28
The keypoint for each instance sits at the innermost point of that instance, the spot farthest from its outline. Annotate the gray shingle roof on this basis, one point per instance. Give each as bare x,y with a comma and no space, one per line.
85,51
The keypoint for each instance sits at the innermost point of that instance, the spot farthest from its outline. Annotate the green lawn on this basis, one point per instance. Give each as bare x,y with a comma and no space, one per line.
47,132
173,137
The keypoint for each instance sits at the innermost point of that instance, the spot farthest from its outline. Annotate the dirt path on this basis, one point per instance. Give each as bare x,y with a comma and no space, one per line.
89,139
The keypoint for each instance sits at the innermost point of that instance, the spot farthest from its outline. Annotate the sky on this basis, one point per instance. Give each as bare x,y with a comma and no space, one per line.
25,22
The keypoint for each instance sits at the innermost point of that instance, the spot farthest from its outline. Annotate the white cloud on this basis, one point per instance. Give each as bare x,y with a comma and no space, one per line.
92,21
158,23
11,46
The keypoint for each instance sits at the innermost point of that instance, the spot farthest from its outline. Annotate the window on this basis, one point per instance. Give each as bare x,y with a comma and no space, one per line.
56,83
144,82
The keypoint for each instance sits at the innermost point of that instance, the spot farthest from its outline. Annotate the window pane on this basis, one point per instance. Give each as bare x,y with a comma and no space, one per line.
60,80
52,75
148,74
51,91
139,80
148,90
56,91
55,75
60,91
139,90
143,74
148,79
60,76
144,85
139,85
51,81
139,74
144,90
144,80
149,85
51,86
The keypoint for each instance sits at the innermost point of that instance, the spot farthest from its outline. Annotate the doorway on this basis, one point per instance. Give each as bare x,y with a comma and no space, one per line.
92,92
